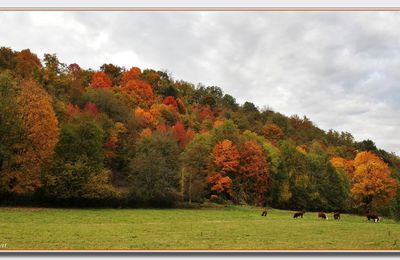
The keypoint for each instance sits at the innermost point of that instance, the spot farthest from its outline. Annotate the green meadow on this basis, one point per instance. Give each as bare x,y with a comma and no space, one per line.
233,227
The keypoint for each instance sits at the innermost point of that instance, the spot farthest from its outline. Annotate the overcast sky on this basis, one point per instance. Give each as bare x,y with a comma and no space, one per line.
340,69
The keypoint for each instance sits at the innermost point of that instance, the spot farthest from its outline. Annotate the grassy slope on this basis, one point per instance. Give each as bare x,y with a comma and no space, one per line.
222,228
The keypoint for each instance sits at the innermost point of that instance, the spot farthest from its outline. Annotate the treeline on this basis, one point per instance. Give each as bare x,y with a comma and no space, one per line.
119,137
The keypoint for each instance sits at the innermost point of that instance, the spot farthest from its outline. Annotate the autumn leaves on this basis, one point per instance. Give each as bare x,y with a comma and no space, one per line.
36,146
131,136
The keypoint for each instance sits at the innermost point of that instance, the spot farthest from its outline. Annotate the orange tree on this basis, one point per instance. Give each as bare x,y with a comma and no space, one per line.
254,171
372,182
36,146
226,161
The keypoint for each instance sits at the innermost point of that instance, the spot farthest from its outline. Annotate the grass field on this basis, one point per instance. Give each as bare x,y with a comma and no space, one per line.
234,227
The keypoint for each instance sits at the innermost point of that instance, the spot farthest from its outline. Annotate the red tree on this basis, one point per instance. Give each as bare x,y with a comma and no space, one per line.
170,100
254,171
91,108
131,74
182,136
100,80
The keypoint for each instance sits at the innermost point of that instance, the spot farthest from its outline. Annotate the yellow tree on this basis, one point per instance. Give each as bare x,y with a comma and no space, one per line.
41,136
372,181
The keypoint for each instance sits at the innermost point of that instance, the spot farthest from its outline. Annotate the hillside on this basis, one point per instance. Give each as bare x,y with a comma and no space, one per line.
127,137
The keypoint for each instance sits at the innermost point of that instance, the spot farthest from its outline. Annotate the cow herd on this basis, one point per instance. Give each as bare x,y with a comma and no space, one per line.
322,215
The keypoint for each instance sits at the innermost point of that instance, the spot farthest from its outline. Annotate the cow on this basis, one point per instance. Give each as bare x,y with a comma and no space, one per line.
372,216
336,215
299,214
264,213
322,215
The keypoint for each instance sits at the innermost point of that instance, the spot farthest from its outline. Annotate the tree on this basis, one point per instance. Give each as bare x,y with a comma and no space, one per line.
170,100
11,129
7,59
220,185
322,176
226,160
155,171
27,64
40,137
77,172
182,135
140,91
53,67
227,130
342,164
254,173
249,107
230,102
272,132
74,69
91,108
226,156
118,106
132,74
147,118
81,138
113,72
78,182
181,106
100,80
373,185
195,166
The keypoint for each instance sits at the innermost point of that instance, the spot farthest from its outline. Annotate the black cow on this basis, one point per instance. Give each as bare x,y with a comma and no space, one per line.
264,213
372,216
336,215
299,214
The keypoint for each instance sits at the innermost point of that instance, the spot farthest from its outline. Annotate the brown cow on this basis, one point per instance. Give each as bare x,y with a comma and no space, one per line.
299,214
264,213
322,215
336,215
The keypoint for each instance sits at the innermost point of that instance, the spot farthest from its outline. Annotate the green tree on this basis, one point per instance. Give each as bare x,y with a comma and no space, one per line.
227,130
11,128
77,173
117,105
195,166
155,171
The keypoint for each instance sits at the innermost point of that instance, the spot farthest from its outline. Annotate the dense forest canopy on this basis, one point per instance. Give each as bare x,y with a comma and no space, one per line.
132,137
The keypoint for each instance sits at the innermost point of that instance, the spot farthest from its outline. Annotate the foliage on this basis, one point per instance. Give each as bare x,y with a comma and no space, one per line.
100,80
372,181
196,163
140,91
155,173
254,171
11,129
144,137
36,147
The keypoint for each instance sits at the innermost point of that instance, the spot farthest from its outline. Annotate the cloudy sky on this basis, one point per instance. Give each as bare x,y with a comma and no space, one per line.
340,69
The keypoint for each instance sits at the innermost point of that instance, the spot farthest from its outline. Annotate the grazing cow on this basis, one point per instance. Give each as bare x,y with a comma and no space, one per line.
372,216
336,215
264,213
299,214
322,215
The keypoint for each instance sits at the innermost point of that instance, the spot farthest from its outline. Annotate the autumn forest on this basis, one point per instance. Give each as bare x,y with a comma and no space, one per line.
127,137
